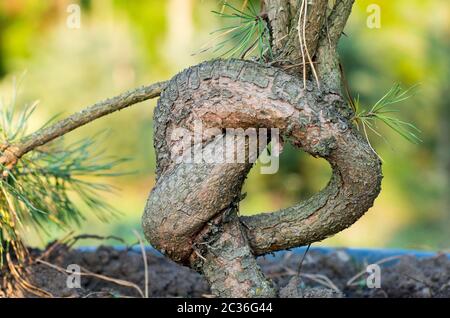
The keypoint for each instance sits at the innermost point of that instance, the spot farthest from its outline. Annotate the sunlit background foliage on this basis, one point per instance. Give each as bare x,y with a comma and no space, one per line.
123,44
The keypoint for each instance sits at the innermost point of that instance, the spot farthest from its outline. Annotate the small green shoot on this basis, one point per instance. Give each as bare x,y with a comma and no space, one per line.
247,33
382,111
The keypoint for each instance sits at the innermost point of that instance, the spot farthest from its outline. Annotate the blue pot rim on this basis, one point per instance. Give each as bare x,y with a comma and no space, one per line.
369,255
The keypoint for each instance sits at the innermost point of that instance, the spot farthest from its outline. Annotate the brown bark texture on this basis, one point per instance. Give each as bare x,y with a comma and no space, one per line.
192,212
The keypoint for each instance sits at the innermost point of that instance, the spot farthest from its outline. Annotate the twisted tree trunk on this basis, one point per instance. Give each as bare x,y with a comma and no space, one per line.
192,212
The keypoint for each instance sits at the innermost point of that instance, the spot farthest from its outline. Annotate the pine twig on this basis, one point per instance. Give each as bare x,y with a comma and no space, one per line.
12,153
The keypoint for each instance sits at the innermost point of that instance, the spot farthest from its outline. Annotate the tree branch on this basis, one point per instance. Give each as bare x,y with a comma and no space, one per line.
327,55
336,21
284,16
11,153
278,14
353,187
356,169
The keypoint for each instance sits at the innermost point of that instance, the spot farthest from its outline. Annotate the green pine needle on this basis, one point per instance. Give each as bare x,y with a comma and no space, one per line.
48,184
249,33
381,111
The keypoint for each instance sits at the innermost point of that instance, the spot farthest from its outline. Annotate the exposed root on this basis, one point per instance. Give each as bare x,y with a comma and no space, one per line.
23,281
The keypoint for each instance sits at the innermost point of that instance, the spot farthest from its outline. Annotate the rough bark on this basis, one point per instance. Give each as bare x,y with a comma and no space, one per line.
192,213
188,197
326,55
226,248
279,15
285,18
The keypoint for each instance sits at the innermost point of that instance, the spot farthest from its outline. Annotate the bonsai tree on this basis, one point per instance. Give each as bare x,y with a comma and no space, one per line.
287,76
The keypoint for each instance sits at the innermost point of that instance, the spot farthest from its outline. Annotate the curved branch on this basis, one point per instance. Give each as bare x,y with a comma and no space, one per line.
189,197
353,187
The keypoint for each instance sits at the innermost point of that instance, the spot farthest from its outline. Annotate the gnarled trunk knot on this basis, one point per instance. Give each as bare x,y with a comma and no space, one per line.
191,213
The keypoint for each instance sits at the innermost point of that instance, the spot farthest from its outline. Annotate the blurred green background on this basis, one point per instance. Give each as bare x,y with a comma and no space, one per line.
123,44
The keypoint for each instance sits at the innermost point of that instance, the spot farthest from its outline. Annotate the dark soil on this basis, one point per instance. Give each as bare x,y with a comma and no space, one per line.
323,275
